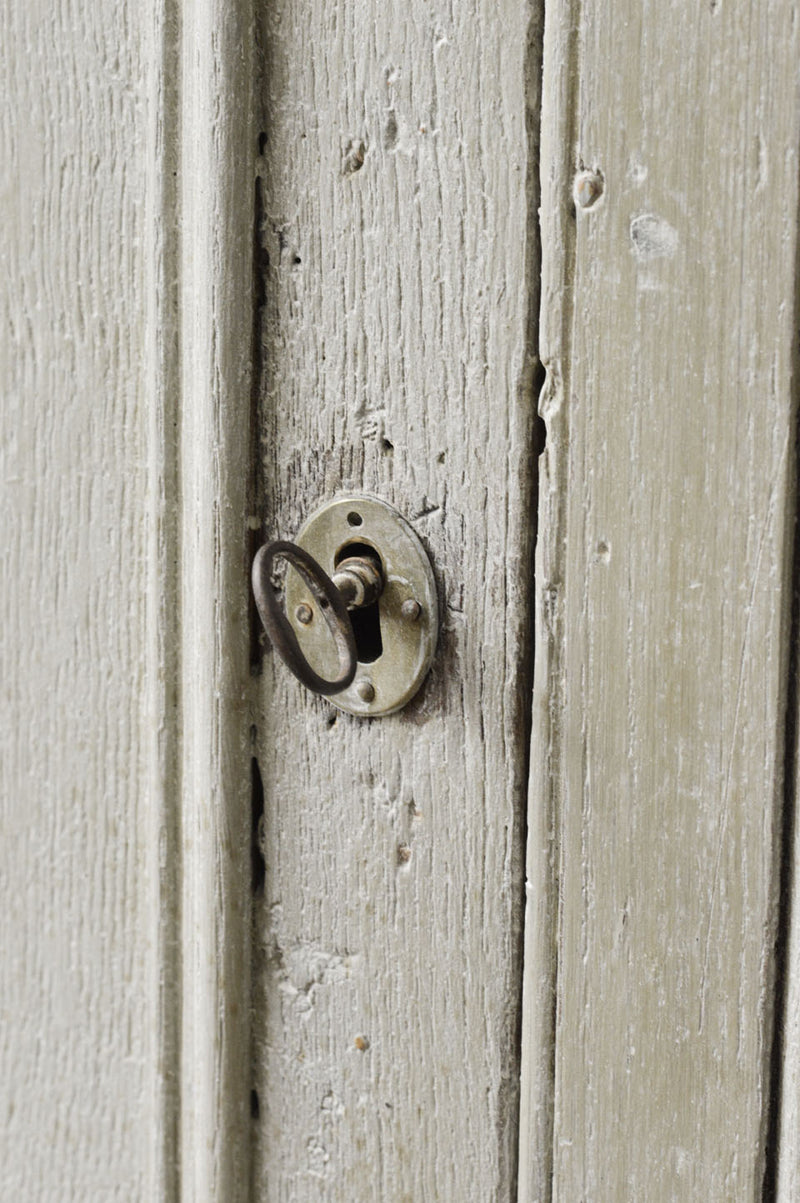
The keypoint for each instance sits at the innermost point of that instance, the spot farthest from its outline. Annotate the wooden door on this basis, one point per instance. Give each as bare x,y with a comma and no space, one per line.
528,273
397,265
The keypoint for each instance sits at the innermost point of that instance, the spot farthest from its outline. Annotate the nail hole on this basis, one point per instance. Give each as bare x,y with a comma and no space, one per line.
390,133
255,1106
354,519
354,156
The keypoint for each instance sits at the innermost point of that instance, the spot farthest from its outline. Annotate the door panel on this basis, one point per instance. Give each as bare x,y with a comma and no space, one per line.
253,946
81,1086
668,498
398,269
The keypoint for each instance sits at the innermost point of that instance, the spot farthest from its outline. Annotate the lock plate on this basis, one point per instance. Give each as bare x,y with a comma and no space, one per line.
396,636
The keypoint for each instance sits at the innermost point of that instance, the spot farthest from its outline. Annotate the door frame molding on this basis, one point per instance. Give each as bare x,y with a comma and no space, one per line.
201,204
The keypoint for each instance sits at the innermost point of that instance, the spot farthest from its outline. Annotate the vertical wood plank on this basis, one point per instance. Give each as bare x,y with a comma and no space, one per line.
786,1058
668,324
161,780
784,1182
216,291
124,816
82,1094
398,256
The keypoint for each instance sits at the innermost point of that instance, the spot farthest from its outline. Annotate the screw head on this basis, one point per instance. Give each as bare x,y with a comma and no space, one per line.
304,614
366,691
411,609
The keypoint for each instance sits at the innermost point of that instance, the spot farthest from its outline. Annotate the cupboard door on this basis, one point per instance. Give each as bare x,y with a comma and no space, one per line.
398,271
669,229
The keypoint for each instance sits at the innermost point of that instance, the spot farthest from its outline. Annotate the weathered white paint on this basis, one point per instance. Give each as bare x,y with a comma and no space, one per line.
788,1175
668,324
788,1143
125,836
80,1064
216,298
162,778
399,270
395,354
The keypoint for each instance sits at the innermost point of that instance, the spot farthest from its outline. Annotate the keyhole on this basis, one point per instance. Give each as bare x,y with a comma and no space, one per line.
366,620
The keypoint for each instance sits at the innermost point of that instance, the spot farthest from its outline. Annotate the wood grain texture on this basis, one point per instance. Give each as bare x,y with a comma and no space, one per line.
787,1172
667,332
785,1182
397,248
161,778
216,299
80,1071
124,759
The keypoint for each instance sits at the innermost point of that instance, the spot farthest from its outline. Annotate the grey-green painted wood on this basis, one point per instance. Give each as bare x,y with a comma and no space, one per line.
126,302
82,1089
668,324
399,272
215,304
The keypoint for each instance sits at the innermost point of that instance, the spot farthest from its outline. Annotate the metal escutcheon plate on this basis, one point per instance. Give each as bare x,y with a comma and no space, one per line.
407,622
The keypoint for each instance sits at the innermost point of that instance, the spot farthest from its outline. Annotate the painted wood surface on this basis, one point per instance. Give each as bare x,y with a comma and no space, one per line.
396,264
398,278
668,325
787,1174
124,828
215,203
80,1066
